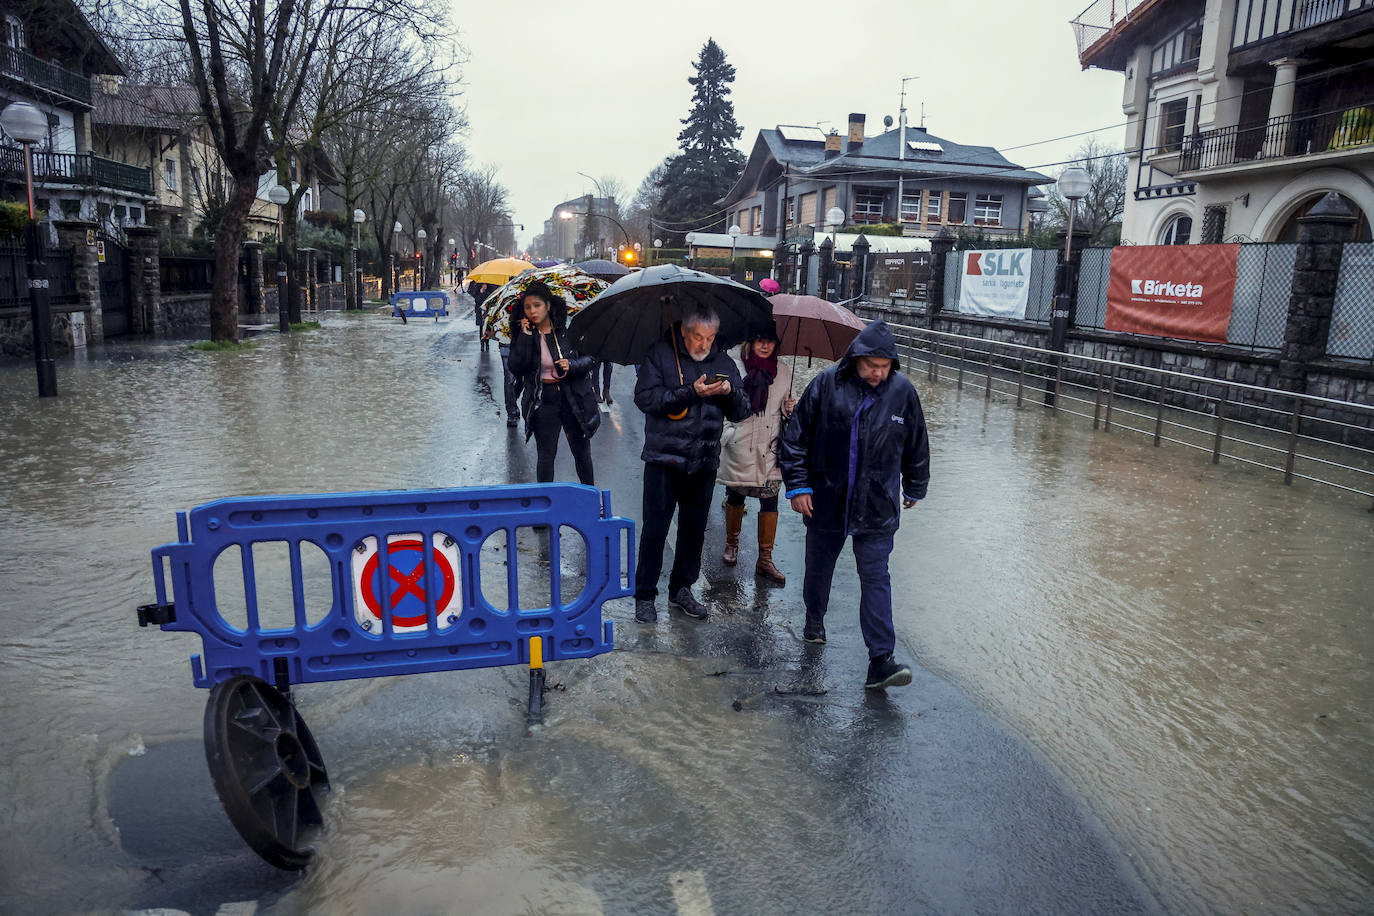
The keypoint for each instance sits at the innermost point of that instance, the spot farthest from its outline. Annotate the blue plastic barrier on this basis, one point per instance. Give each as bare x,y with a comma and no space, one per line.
426,303
396,607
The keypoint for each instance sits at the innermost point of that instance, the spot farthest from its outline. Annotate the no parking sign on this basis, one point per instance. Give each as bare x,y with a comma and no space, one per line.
408,586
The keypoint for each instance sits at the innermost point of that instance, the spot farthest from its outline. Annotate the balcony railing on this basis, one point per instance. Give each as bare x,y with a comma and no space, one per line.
1099,19
83,169
24,67
1280,138
1260,20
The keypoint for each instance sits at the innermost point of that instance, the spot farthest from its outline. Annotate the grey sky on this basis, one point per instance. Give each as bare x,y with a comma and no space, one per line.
556,88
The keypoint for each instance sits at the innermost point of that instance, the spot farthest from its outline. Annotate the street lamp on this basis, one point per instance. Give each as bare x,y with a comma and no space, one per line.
26,124
1074,183
419,257
279,196
358,217
395,267
453,260
569,214
734,235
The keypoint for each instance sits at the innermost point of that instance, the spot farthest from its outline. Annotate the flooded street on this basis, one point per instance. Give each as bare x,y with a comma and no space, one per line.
1145,682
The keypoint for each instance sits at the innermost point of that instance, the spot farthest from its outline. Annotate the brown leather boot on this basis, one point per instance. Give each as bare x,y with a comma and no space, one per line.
734,521
768,532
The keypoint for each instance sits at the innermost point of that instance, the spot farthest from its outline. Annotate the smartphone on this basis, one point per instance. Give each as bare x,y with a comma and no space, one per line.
717,378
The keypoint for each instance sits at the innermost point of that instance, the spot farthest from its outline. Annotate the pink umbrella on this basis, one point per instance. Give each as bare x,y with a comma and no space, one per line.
769,285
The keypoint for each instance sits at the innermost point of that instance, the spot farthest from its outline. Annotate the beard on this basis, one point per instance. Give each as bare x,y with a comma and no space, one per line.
699,355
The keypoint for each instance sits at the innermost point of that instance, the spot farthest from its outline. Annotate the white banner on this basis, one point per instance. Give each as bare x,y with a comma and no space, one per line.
995,283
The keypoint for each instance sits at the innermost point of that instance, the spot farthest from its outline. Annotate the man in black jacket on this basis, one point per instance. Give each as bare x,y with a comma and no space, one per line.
857,446
686,388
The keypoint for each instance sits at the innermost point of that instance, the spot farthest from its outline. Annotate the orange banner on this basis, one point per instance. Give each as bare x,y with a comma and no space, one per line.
1182,291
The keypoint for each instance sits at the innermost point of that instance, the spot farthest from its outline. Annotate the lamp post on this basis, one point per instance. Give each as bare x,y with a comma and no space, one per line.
569,214
28,125
279,196
453,261
1074,183
691,239
358,217
395,267
420,234
734,236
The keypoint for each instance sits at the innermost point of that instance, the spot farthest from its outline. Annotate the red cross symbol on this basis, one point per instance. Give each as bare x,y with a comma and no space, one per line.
406,583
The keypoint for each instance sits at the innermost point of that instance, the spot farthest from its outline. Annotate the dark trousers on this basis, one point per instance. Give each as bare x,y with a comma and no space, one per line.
555,414
513,386
875,585
665,490
605,386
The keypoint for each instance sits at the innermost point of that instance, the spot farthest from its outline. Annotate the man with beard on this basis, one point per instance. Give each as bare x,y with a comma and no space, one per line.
687,387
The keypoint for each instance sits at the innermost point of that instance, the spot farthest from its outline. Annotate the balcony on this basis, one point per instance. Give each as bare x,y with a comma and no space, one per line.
79,169
1098,28
1280,138
1262,20
31,71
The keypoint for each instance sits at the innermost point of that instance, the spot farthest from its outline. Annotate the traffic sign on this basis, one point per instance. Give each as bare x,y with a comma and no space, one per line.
408,586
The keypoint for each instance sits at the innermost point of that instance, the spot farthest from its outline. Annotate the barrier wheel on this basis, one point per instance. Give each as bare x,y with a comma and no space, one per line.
266,768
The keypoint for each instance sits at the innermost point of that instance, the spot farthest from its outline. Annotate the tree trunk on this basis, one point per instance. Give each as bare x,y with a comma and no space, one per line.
224,298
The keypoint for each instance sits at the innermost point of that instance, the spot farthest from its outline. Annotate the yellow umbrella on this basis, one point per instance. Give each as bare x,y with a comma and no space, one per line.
499,270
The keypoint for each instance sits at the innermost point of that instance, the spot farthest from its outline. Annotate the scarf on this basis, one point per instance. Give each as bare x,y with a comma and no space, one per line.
758,375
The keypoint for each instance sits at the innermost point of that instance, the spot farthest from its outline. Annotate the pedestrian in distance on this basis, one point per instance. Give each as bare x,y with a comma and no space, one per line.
749,452
556,381
853,456
480,292
512,384
687,387
603,391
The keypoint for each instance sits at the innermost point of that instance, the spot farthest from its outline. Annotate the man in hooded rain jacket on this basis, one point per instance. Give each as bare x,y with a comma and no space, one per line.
684,415
854,455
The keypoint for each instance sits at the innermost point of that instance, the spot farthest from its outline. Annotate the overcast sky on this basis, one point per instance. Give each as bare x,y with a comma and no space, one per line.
554,88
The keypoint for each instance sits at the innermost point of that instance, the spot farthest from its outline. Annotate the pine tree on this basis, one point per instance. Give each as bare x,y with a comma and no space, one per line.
708,164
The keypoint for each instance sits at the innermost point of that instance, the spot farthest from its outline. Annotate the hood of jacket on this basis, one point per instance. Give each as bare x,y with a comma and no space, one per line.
874,340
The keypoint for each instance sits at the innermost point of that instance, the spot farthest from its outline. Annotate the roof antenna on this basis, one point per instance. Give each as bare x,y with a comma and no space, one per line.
901,152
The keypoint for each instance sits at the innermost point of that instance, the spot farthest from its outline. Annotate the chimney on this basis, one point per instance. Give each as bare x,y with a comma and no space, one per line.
832,144
109,84
856,130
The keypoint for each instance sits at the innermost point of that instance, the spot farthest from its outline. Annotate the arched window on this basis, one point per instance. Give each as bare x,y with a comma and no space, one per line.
14,31
1289,232
1177,231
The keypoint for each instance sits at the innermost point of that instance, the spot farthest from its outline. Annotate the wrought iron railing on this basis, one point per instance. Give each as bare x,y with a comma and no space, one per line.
85,169
23,66
1261,20
1279,138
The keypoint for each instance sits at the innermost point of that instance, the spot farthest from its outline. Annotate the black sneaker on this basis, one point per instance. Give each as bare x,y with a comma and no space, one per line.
814,632
884,672
645,612
688,604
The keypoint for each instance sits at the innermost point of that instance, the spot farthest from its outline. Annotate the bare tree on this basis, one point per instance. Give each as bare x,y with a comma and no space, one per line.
1099,212
483,212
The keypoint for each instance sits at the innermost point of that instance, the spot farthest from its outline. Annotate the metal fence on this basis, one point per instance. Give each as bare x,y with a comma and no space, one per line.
1301,437
186,274
1352,316
14,290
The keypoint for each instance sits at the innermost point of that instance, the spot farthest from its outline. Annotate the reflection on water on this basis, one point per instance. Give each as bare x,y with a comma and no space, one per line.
1188,645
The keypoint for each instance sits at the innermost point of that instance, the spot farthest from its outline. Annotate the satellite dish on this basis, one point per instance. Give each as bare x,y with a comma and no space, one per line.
887,120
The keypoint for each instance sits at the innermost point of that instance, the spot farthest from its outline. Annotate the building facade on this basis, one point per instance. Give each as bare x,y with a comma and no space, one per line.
1240,114
795,175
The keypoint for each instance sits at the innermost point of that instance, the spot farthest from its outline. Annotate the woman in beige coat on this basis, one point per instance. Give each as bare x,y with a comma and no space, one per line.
749,452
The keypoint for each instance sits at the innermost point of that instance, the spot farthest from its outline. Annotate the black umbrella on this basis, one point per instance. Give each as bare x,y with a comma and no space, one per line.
602,269
632,313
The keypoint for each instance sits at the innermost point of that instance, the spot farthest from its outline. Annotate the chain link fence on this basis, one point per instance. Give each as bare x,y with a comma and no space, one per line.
1352,316
1259,308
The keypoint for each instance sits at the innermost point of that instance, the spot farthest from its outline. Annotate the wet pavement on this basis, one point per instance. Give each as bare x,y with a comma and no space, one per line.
1130,673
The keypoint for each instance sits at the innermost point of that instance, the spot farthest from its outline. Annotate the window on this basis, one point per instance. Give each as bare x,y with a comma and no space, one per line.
987,210
808,209
911,207
1173,119
933,202
1177,231
136,214
868,205
170,169
827,201
14,32
958,208
757,223
791,213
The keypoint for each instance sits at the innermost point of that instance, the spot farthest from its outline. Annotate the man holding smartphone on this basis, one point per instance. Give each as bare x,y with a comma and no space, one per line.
687,387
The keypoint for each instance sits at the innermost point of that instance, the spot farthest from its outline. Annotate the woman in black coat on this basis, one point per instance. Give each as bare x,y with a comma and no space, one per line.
557,383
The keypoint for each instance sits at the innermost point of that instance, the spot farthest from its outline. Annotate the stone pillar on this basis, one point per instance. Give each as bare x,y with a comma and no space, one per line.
825,272
1322,235
144,276
1281,105
940,249
808,250
85,276
252,254
858,268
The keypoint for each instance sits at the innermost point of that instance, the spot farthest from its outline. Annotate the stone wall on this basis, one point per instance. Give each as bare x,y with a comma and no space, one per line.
16,332
183,315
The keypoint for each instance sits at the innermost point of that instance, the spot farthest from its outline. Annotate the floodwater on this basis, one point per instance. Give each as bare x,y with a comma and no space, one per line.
1144,682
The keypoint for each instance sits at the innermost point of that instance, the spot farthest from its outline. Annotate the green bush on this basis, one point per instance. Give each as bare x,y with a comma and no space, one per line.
324,239
215,346
974,239
875,229
13,217
328,219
